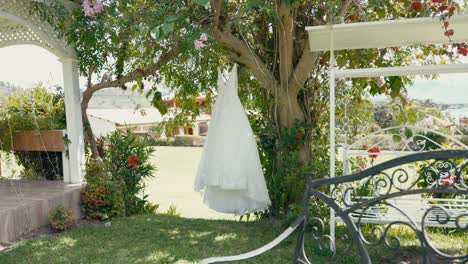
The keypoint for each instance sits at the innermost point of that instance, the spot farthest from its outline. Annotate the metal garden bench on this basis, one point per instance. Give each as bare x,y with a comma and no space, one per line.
450,167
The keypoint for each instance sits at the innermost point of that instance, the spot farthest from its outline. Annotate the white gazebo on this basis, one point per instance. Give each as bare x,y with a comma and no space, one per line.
19,26
382,34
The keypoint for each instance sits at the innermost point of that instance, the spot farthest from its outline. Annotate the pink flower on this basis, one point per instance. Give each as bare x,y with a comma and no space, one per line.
87,9
91,8
203,37
198,44
98,6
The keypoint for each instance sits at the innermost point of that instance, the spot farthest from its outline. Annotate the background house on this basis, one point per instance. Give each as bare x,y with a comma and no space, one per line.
104,121
113,109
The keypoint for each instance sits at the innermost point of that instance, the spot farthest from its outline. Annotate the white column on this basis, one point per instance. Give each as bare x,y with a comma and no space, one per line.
332,79
74,121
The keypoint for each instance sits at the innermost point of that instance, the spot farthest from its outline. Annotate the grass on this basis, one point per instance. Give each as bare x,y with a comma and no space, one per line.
170,239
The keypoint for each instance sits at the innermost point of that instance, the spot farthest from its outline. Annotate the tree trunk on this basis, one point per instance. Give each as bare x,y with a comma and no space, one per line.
290,112
88,131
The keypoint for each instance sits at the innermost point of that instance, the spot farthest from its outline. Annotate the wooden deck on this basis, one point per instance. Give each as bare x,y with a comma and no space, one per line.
24,205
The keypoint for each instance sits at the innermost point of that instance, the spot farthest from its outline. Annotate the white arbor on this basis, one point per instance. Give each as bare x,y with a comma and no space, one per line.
18,26
382,34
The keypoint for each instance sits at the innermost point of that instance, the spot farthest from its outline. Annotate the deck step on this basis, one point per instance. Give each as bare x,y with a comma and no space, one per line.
24,205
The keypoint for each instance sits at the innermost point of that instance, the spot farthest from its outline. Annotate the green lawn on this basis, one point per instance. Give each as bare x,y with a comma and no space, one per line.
167,239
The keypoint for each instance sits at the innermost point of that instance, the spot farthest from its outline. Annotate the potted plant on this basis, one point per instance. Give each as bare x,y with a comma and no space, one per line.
33,123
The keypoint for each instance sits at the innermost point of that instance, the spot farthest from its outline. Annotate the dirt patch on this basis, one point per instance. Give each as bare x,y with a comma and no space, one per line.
46,231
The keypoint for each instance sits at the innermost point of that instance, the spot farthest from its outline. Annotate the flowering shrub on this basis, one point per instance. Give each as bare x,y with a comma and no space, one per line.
101,199
128,162
61,218
115,187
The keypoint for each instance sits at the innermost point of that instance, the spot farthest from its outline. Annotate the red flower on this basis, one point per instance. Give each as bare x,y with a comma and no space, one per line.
133,161
463,51
298,136
442,8
450,32
416,5
446,24
452,8
450,180
353,17
375,149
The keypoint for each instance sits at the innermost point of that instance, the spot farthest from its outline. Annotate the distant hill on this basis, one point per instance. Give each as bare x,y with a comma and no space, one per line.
7,88
118,98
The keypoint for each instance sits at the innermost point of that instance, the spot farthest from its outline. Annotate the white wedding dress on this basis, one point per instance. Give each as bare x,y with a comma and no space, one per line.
230,174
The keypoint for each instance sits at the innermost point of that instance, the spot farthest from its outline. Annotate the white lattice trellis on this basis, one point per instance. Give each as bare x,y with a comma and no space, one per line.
20,25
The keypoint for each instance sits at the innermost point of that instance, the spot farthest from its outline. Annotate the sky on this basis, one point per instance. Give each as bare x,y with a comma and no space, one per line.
27,65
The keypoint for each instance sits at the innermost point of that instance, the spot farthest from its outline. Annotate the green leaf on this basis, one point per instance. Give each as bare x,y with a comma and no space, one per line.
396,138
204,3
158,104
155,32
171,18
144,30
408,133
148,94
288,3
403,100
167,28
395,85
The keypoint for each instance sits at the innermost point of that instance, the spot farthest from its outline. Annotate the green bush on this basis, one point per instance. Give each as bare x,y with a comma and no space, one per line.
183,141
435,141
116,185
101,199
33,109
128,161
464,139
61,218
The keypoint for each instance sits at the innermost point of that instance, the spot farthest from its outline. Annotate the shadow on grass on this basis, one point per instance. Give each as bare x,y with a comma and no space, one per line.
167,239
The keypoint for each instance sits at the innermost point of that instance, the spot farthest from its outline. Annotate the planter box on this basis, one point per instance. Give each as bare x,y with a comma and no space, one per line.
39,140
42,153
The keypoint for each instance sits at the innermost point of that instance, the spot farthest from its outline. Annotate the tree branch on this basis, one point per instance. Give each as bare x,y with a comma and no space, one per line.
240,52
216,10
344,8
306,64
163,59
91,89
286,44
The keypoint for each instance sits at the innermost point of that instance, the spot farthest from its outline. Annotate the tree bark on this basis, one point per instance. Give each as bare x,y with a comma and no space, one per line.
132,76
293,72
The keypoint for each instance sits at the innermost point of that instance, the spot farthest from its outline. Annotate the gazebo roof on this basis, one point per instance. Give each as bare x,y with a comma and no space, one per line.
19,26
381,34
